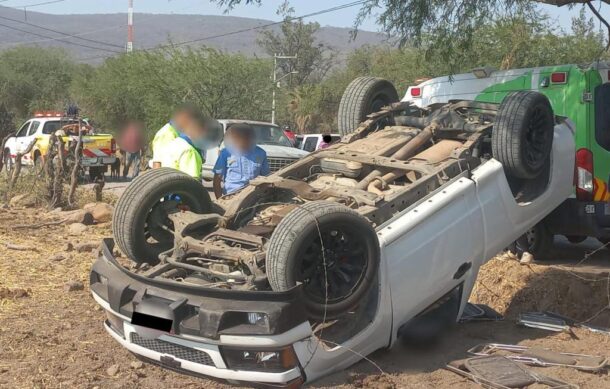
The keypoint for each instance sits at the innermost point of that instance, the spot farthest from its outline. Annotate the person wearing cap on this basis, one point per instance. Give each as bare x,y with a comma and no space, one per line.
239,162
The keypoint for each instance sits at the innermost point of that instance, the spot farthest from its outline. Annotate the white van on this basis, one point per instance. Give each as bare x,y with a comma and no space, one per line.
271,138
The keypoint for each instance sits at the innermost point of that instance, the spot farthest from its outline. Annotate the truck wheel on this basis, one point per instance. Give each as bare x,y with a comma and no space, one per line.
522,136
140,223
337,270
8,162
362,97
575,239
537,241
38,162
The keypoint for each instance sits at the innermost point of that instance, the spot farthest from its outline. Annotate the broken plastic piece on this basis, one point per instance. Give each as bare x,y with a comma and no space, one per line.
502,373
479,312
544,321
541,357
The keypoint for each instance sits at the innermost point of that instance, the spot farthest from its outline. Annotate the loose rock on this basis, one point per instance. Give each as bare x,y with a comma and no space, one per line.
22,200
112,370
57,257
72,286
68,247
77,216
136,365
101,212
77,228
87,247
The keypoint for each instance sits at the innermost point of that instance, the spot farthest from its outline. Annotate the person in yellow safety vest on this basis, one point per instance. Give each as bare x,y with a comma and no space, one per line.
182,142
181,118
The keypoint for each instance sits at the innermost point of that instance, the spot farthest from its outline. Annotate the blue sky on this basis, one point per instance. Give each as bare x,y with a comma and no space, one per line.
341,18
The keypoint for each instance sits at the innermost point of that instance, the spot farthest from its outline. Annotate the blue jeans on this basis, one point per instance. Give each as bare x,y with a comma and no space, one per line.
132,158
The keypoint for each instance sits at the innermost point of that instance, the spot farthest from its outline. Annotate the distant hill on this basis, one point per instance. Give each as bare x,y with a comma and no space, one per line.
152,30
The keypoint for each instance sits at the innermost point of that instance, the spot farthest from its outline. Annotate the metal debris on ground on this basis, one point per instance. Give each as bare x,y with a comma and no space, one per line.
541,357
544,321
499,372
479,312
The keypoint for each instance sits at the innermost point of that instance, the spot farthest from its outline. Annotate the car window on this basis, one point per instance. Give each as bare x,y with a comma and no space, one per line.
298,142
34,127
271,135
311,142
52,126
602,115
23,131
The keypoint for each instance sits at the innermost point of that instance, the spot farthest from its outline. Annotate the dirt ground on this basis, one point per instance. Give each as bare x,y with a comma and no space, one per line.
52,336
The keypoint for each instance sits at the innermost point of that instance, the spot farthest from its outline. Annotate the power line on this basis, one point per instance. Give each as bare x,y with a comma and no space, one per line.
68,42
321,12
60,32
37,4
324,11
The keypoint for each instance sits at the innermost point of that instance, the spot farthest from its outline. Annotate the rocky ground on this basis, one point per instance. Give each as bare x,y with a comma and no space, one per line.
51,333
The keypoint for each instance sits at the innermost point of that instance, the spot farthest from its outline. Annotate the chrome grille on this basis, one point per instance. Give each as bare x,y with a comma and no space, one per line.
175,350
276,164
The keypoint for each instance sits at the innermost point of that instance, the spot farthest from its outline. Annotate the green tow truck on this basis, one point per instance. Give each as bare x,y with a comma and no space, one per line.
579,93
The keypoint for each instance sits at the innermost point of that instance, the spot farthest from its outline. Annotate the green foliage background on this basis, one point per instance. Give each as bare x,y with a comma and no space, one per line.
148,85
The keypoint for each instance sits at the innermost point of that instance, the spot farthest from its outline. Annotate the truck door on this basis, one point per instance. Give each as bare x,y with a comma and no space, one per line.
600,145
20,137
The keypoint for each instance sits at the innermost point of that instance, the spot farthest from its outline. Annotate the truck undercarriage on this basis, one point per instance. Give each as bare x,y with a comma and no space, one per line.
279,231
303,272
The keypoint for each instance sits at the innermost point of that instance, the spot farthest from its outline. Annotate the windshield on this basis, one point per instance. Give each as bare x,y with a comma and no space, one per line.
52,126
270,135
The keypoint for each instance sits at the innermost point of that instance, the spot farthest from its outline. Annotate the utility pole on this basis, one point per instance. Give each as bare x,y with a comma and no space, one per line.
130,27
276,81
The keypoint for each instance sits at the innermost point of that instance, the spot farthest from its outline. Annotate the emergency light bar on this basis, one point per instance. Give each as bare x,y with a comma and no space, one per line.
42,114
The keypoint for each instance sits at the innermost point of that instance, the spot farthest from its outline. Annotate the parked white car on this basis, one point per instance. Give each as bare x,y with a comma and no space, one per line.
311,142
271,138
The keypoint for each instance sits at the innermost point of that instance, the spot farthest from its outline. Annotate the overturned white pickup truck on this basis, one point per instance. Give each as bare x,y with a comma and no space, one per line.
305,271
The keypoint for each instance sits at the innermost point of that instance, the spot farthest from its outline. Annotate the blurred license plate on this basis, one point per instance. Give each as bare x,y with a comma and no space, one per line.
88,161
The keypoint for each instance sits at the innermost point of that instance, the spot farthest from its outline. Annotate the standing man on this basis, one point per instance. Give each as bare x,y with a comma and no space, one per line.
182,142
239,162
132,142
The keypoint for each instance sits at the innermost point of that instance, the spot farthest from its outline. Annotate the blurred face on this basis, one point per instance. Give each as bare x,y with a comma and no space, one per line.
241,142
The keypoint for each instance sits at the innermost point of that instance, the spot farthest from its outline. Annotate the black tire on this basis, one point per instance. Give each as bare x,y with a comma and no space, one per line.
97,171
537,241
575,239
8,162
604,241
144,205
522,136
294,255
362,97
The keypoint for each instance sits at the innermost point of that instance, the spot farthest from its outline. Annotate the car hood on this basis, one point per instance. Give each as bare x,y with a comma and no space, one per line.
275,151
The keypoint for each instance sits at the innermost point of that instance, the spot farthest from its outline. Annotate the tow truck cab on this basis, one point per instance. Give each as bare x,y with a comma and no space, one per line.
579,93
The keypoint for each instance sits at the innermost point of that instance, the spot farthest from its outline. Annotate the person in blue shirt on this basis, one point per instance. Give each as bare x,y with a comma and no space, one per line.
240,161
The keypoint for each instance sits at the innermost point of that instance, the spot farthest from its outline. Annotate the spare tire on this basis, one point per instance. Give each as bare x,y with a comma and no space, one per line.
363,96
324,243
522,136
141,212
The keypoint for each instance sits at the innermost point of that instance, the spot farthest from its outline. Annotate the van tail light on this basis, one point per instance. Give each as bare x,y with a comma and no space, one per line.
559,78
583,176
113,146
415,91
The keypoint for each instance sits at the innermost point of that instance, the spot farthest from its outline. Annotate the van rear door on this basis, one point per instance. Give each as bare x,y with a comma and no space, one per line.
600,138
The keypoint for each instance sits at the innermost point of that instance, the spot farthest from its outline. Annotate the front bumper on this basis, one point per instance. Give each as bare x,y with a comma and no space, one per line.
204,322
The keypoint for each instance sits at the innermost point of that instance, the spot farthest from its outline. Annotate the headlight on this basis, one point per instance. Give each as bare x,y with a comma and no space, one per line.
273,361
115,322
